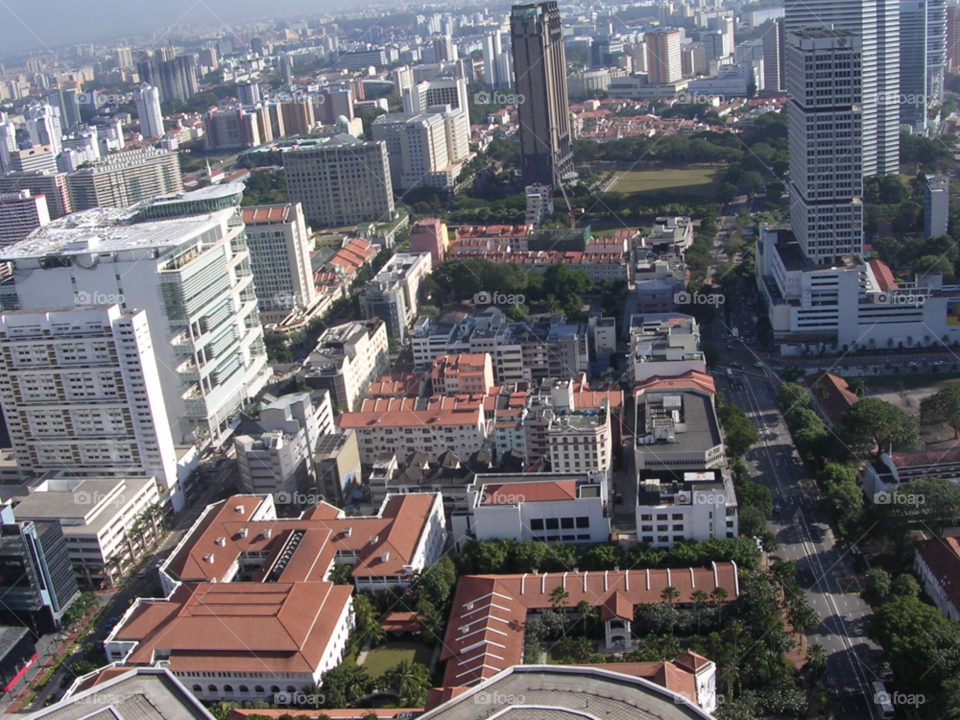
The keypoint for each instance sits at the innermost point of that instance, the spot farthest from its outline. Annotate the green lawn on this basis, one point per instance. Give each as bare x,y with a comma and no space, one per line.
698,181
384,657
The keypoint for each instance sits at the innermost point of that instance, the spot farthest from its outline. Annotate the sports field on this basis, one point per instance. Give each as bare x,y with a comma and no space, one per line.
699,182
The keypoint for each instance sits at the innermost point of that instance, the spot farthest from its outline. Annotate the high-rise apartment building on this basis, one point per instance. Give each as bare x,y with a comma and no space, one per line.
772,56
663,57
249,93
148,110
540,74
877,24
43,124
231,129
39,158
52,185
428,148
298,115
279,244
923,57
81,391
20,214
190,275
343,181
936,206
824,119
125,178
393,295
176,77
492,50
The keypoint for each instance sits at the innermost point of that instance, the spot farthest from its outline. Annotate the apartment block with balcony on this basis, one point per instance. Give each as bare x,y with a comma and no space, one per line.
393,294
347,359
190,275
664,344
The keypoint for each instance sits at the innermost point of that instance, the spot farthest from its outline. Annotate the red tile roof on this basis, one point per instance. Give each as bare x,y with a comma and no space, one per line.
404,412
942,556
265,214
831,393
690,379
550,491
883,275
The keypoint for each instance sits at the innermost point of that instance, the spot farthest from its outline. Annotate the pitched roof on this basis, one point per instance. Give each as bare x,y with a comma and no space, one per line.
550,491
831,393
691,379
942,556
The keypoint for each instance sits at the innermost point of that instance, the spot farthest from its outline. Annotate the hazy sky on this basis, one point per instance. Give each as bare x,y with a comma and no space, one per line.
31,24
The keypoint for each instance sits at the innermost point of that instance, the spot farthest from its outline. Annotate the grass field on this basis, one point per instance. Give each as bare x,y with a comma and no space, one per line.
384,657
697,182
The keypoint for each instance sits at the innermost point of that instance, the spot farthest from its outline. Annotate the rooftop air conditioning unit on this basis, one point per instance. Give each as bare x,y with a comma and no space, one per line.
222,541
244,532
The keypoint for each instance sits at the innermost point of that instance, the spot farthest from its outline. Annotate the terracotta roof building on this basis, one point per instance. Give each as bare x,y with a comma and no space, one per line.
937,564
830,396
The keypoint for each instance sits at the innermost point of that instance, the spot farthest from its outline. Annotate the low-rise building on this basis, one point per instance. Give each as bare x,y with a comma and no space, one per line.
664,344
674,507
890,471
937,565
109,523
657,283
830,396
463,374
670,235
346,359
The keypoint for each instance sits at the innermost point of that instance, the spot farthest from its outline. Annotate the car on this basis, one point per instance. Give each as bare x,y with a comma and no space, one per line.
912,364
736,364
940,363
142,573
776,509
758,364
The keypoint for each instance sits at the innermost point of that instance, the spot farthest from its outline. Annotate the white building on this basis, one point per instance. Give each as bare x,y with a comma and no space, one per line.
438,91
20,214
148,110
279,243
108,523
81,390
43,125
877,25
275,452
937,565
664,344
824,112
347,359
393,295
190,276
673,507
428,148
581,441
547,507
936,206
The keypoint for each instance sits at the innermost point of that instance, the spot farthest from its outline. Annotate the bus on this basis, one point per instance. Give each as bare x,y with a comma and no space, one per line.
882,699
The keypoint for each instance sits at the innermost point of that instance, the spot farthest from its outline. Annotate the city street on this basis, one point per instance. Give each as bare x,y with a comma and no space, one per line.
825,570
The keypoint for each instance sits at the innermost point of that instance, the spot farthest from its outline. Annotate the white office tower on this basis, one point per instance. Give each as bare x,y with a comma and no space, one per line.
148,110
492,50
824,139
923,57
936,206
440,91
8,144
81,392
43,124
505,69
877,24
190,275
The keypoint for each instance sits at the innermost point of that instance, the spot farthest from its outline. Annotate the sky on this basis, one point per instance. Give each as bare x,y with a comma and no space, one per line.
35,24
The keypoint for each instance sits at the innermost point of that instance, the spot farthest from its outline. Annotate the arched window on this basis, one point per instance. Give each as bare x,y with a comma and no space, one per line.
244,689
274,688
291,689
212,689
258,689
228,688
197,689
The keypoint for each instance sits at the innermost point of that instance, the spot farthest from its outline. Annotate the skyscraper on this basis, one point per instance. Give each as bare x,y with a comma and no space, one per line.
546,153
43,124
772,54
664,64
936,206
176,77
877,24
148,110
824,118
492,49
923,56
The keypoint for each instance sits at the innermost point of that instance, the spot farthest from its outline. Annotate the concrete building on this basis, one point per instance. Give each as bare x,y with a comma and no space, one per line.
670,235
45,585
937,565
545,507
936,206
176,77
279,243
36,159
492,50
208,345
876,25
546,153
421,97
663,57
123,179
275,451
825,143
581,441
467,374
429,236
81,390
232,129
347,359
108,523
664,344
431,426
337,460
393,294
674,507
428,148
539,204
20,214
52,185
773,57
148,111
343,181
43,125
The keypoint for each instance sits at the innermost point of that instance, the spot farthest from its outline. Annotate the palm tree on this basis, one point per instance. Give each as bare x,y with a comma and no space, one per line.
588,614
670,594
116,562
221,710
699,598
719,596
559,598
410,681
816,662
341,574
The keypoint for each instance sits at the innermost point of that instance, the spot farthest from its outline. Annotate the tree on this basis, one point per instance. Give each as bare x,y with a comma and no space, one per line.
588,615
603,557
816,662
905,586
944,407
874,423
344,684
656,618
699,598
410,681
752,522
719,596
877,589
221,710
342,574
791,395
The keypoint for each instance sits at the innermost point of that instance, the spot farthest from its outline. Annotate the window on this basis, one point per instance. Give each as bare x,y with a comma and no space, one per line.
197,689
228,688
553,524
212,689
536,524
566,523
583,522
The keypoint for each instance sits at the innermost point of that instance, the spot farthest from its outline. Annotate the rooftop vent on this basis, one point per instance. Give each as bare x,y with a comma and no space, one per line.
267,533
222,541
373,539
244,532
239,509
348,532
208,558
384,556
